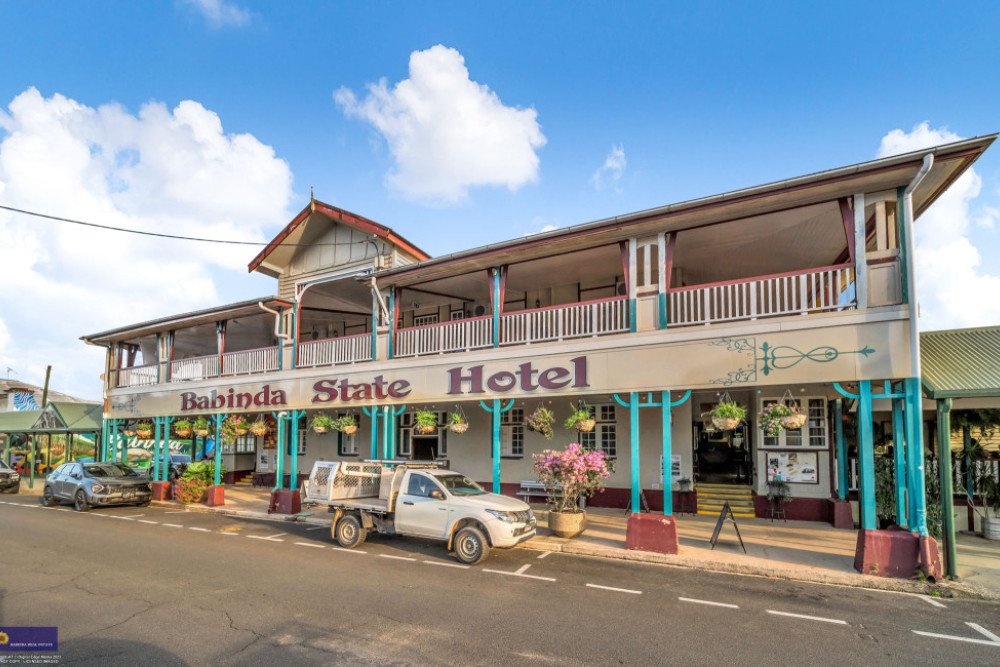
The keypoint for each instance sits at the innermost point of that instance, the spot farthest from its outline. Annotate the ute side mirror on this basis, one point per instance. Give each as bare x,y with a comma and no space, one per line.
437,494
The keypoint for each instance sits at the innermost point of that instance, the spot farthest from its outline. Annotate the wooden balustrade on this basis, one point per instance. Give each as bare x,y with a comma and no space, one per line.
329,351
455,336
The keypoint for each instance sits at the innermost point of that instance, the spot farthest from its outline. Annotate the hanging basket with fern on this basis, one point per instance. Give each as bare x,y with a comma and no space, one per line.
259,427
582,418
426,422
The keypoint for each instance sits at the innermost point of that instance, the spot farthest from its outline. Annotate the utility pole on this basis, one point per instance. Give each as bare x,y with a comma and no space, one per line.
45,389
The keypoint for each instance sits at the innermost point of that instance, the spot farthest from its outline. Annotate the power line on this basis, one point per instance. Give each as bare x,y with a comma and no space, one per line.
173,236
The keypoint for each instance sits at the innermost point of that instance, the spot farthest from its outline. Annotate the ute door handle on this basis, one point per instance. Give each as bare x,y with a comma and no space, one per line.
443,509
407,502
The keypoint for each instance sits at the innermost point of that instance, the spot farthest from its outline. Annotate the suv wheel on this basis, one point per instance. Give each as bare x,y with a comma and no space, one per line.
471,546
349,532
80,503
48,498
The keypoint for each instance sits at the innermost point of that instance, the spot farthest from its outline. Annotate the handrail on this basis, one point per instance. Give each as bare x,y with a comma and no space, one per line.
440,324
563,305
833,267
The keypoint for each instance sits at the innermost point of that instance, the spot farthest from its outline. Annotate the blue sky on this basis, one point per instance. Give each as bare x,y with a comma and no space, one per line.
674,102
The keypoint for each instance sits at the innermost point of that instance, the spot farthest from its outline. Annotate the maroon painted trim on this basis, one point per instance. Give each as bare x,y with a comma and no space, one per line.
668,259
503,287
623,246
834,267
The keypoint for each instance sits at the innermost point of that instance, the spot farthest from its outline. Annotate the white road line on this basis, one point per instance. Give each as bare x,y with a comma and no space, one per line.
932,601
148,521
523,569
545,555
436,562
315,527
173,525
200,530
136,516
515,574
225,532
992,641
307,544
61,509
808,618
176,512
396,557
348,551
266,539
612,588
709,602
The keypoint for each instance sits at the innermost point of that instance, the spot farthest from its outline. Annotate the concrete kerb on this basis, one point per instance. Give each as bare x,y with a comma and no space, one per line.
943,590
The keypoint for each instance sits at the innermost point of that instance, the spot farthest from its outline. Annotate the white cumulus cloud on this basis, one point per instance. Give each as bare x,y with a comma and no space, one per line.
220,13
610,173
953,288
446,132
173,171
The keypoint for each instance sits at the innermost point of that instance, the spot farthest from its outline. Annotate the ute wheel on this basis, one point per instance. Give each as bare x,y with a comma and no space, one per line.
349,532
80,503
48,498
471,546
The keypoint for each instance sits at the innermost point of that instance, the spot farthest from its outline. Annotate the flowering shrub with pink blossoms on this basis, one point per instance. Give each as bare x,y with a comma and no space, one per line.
573,472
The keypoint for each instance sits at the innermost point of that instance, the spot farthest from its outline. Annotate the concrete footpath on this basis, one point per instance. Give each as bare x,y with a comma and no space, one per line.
792,550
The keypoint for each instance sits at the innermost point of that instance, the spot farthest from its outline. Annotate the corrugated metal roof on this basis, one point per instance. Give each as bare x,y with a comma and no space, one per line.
961,362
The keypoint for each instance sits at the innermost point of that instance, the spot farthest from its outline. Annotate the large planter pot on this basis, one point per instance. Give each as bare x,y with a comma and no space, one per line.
567,524
991,527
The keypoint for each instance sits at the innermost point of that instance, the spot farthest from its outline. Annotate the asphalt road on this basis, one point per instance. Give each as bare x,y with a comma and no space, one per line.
153,586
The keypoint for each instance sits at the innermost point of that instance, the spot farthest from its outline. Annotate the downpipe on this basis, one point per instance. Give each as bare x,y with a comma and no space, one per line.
277,322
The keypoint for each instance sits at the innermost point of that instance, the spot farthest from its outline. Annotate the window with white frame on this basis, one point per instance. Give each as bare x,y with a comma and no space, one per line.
244,444
404,441
512,433
647,265
457,315
421,320
347,445
812,435
605,434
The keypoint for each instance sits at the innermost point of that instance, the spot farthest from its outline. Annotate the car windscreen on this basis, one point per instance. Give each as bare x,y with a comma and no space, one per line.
459,485
180,458
5,467
108,470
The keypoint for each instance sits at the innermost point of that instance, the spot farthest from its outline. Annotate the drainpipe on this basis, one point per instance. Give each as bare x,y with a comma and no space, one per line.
911,268
277,322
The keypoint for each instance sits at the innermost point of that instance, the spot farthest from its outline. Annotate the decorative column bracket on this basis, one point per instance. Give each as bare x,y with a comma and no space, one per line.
496,410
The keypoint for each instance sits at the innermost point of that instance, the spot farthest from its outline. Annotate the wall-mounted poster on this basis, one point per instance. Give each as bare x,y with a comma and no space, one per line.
793,467
675,468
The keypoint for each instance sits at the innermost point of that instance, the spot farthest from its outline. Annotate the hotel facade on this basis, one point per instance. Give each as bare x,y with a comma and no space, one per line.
800,291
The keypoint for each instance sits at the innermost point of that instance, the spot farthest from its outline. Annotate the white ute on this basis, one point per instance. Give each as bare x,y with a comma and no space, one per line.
419,500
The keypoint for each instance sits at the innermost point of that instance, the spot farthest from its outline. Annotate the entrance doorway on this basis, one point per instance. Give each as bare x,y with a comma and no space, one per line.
722,457
424,447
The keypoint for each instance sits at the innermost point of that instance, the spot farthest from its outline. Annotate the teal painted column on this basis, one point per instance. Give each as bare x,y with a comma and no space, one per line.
102,453
393,416
668,483
496,445
218,448
155,462
843,479
947,499
279,459
633,407
293,473
967,442
866,457
372,413
899,460
167,421
386,445
915,447
903,258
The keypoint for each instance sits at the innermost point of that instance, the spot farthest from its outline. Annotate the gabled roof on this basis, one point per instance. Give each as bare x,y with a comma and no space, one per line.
7,386
315,206
961,363
70,416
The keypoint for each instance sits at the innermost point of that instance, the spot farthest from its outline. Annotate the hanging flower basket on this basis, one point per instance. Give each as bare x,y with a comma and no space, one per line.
259,427
129,432
581,419
540,421
795,420
323,423
727,414
426,422
772,418
346,424
182,428
457,423
201,427
350,430
144,430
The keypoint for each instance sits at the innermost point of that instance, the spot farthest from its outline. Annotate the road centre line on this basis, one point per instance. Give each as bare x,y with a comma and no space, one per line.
273,538
61,509
176,512
224,532
808,618
173,525
545,555
709,602
515,574
396,557
612,588
437,562
307,544
348,551
932,601
992,641
200,530
315,527
148,521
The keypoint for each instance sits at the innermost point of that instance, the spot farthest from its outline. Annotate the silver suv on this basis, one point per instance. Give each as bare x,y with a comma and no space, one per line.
96,484
10,480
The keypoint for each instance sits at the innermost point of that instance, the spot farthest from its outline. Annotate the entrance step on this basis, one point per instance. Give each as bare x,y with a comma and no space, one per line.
246,480
713,497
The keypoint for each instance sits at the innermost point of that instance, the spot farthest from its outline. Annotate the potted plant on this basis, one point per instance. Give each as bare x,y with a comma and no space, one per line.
727,415
182,427
346,424
794,419
771,418
192,486
989,486
778,491
322,423
259,426
201,427
541,421
129,430
567,475
426,422
233,427
582,418
457,423
144,430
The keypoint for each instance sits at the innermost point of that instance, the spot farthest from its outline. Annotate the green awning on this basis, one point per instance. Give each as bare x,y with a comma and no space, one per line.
961,363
